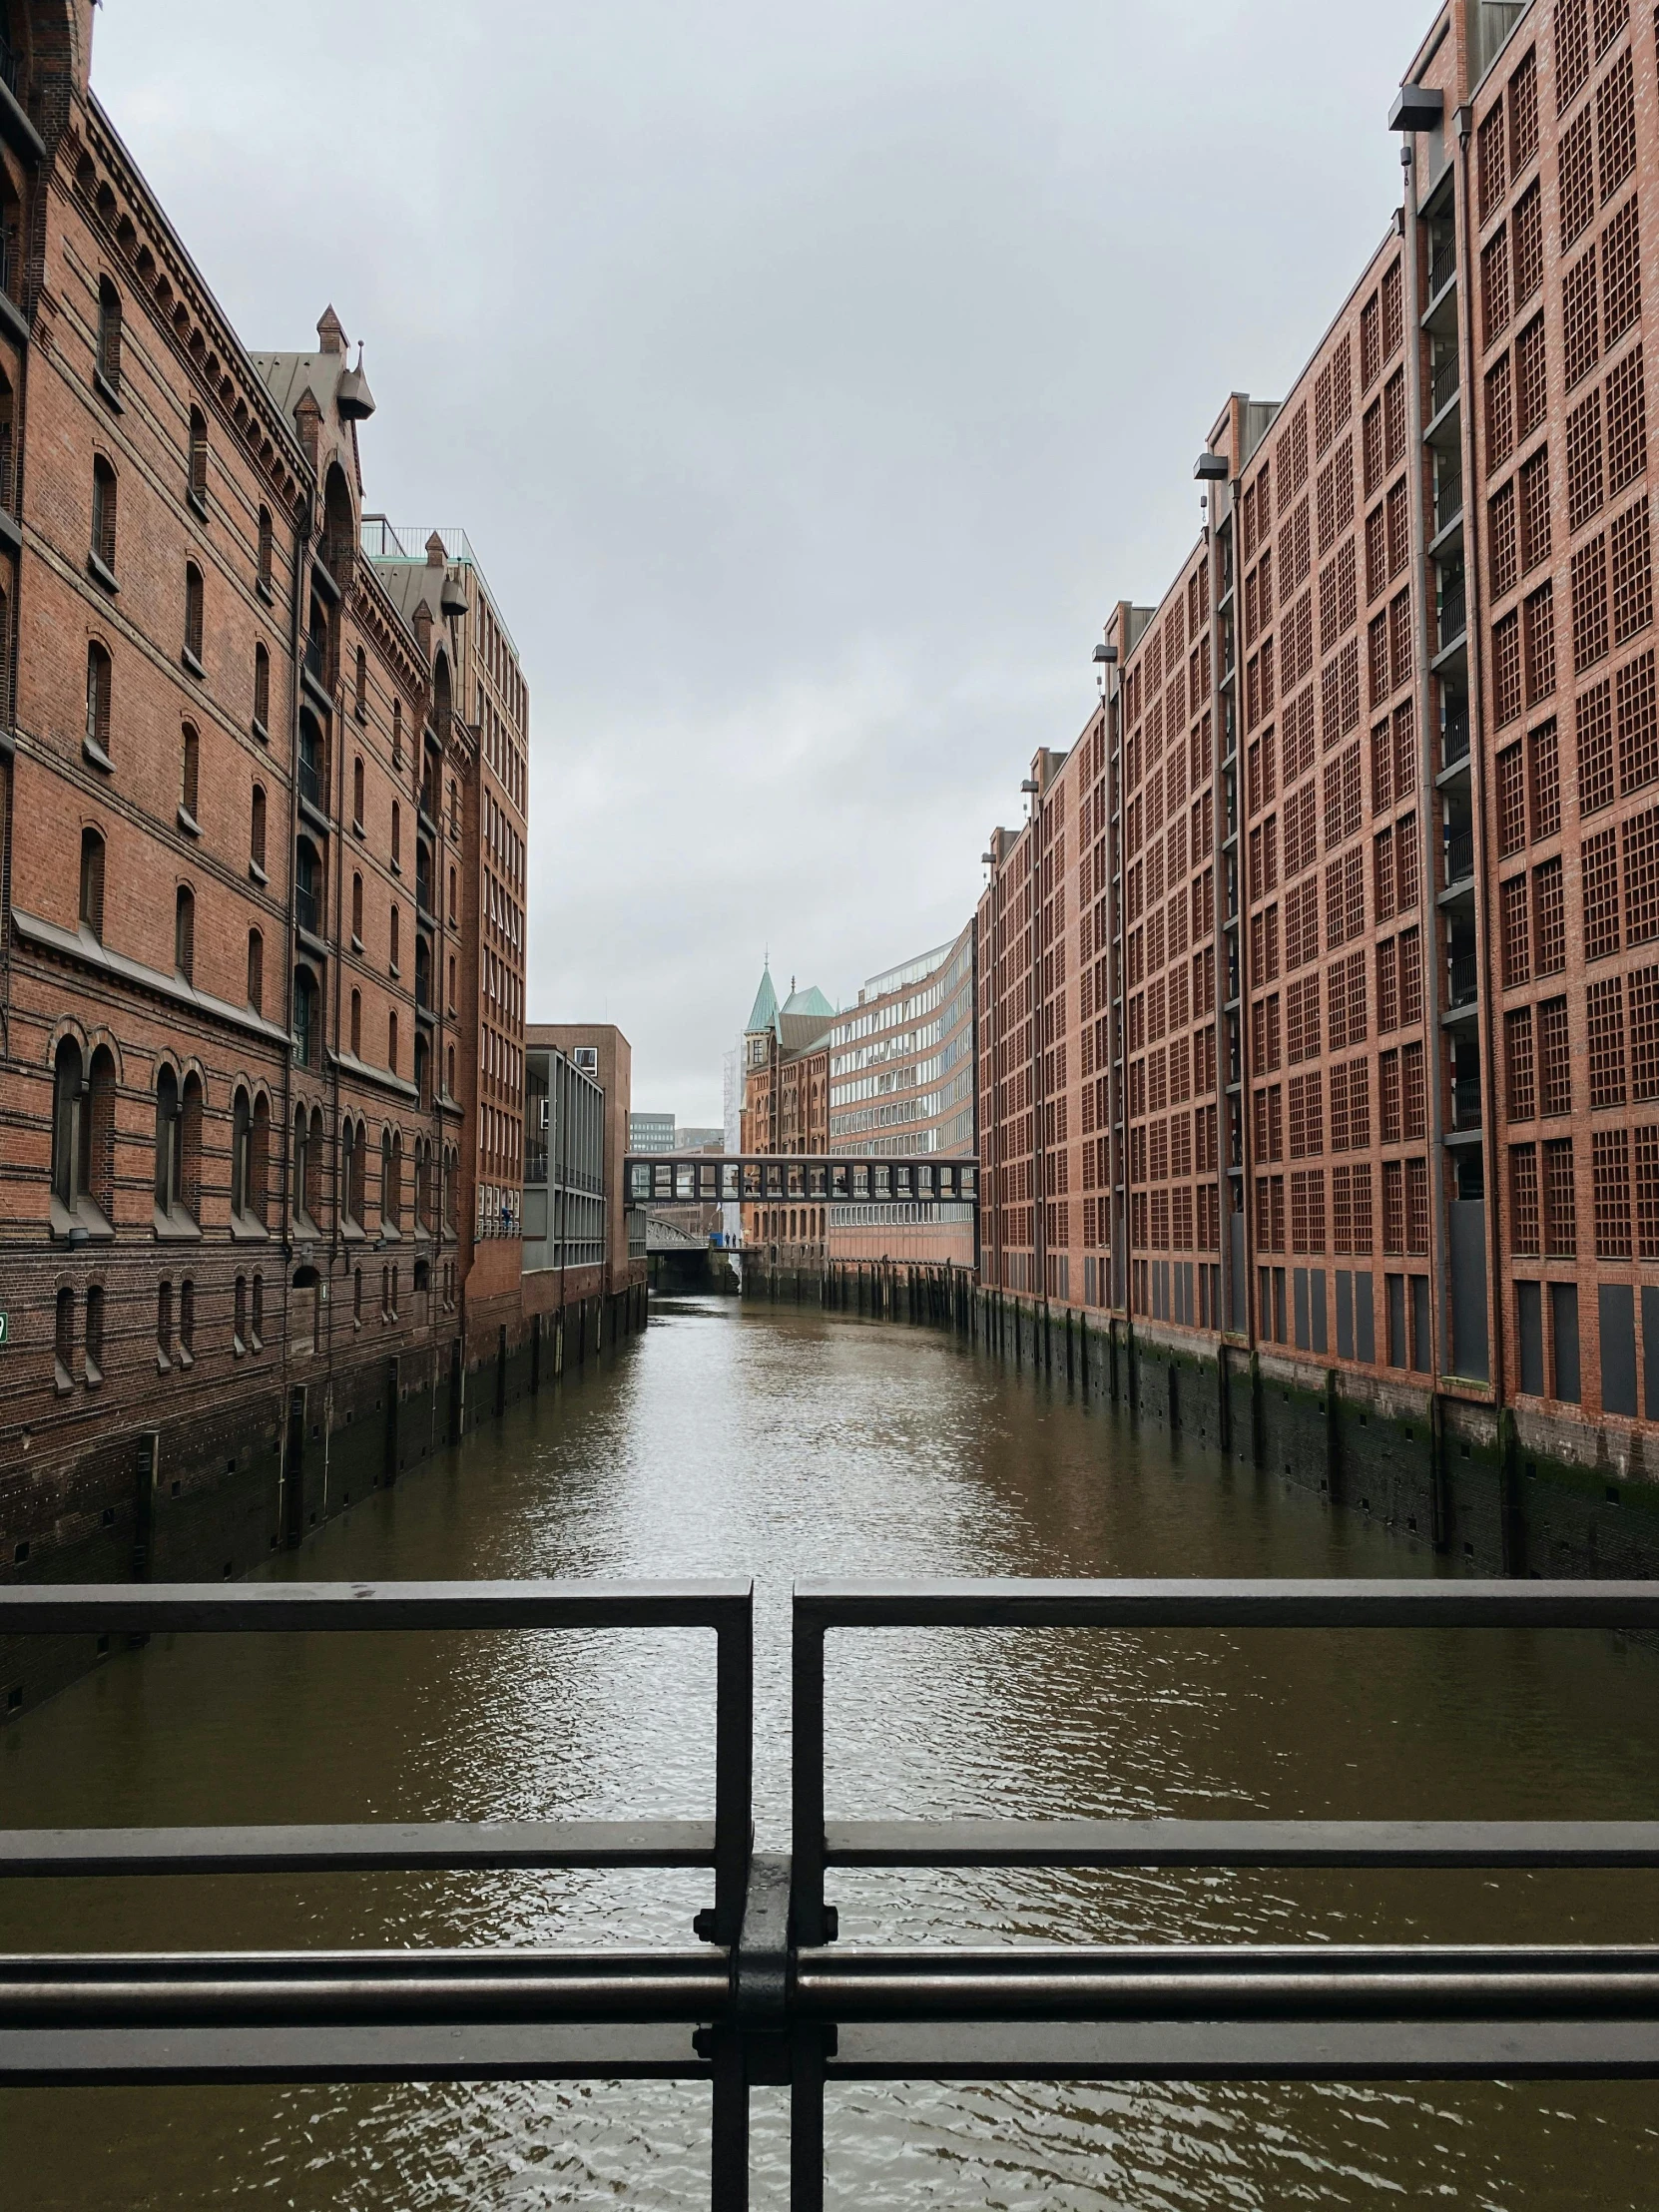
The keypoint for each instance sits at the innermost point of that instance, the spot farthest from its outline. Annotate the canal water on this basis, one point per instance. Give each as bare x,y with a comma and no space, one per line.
777,1443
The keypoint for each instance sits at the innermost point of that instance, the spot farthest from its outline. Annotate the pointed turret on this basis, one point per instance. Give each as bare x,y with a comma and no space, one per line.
766,1004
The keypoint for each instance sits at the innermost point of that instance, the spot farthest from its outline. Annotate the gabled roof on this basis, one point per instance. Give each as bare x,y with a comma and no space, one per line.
766,1005
811,1001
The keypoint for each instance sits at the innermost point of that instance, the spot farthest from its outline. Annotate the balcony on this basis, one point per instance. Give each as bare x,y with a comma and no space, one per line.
1443,384
1465,980
308,910
315,661
1453,610
1465,1105
1442,263
314,789
1448,496
1455,734
1460,857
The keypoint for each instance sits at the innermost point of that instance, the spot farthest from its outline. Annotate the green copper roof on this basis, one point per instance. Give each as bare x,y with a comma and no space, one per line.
809,1003
766,1004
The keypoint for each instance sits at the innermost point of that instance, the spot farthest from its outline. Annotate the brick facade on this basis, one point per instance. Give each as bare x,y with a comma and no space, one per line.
263,974
1318,994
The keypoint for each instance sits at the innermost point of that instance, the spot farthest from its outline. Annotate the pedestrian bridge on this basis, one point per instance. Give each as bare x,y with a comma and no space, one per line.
703,1178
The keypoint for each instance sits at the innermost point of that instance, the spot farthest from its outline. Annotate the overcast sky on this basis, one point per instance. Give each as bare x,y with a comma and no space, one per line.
811,382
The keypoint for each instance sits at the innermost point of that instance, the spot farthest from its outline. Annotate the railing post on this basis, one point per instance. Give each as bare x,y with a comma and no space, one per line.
728,2147
734,1765
807,1772
807,2119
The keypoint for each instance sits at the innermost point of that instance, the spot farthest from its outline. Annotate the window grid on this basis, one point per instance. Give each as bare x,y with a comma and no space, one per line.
1517,1045
1605,1009
1560,1208
1610,1166
1554,1058
1524,1222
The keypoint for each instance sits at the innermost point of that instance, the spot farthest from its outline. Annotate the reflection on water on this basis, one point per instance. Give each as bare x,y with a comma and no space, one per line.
779,1444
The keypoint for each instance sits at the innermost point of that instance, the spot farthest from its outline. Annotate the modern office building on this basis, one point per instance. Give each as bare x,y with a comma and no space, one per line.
651,1133
901,1087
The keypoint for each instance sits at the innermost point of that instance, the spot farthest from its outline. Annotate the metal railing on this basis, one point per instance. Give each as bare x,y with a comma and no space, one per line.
317,658
1454,736
308,910
1465,978
1460,857
1442,263
772,1997
1454,615
1443,383
312,788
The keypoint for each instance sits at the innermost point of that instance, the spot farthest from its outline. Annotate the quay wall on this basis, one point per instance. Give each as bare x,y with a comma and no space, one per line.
1504,1493
209,1497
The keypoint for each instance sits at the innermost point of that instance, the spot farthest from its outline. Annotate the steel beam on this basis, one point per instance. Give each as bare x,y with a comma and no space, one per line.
358,1847
1158,1843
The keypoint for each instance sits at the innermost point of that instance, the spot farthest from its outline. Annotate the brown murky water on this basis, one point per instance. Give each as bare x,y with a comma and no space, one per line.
778,1445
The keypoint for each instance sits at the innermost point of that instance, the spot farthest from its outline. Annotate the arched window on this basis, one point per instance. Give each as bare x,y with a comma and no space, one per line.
198,458
259,1164
449,1073
104,504
63,1342
255,971
307,1310
71,1127
190,775
357,1025
184,932
242,1157
442,698
195,615
109,334
314,1154
397,734
361,687
256,1316
397,941
92,883
307,888
357,911
305,1018
169,1147
262,691
94,1335
164,1325
255,828
396,835
187,1323
450,1003
358,1298
452,905
98,703
389,1193
423,973
358,793
348,1173
422,1071
301,1161
239,1317
391,1041
268,550
397,1179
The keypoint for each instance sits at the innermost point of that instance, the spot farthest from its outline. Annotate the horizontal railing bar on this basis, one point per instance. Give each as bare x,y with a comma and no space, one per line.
209,1608
33,2058
1207,1983
365,1847
1224,2050
391,1988
1223,1843
1178,1604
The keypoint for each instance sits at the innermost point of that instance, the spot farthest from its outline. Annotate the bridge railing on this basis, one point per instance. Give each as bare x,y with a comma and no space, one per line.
772,1996
765,1179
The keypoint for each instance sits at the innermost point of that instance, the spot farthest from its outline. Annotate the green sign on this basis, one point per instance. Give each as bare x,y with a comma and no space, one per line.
5,1329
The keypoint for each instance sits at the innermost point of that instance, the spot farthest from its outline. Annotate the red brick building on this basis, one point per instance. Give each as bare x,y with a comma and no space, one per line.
263,980
786,1104
1317,992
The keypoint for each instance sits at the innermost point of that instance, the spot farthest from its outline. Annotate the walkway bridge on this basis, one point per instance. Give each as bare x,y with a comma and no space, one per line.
764,1992
764,1179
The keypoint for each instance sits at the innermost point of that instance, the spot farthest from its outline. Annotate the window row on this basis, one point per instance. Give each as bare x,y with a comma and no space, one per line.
1349,1227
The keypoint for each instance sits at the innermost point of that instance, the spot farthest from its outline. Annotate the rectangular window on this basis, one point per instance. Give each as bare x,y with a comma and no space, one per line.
1501,414
1531,377
1610,1164
1387,989
1589,603
1517,941
1644,1033
1599,868
1414,1104
1512,809
1560,1211
1554,1058
1523,1199
1523,114
1621,266
1410,979
1638,714
1616,126
1632,572
1394,1206
1647,1193
1539,618
1586,473
1546,782
1506,669
1517,1040
1494,284
1388,1096
1580,316
1641,879
1595,749
1416,1207
1406,855
1626,422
